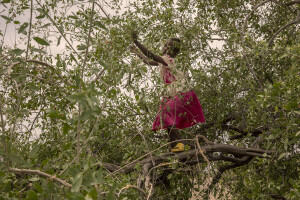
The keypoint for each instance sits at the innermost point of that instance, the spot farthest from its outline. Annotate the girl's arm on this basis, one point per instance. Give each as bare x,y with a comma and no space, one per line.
146,52
145,60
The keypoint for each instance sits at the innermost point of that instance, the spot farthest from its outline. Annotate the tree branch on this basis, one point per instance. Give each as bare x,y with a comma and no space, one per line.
43,64
292,3
297,20
40,173
192,154
131,186
245,160
248,16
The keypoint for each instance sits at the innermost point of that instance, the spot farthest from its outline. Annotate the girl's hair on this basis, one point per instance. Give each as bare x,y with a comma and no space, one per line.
176,45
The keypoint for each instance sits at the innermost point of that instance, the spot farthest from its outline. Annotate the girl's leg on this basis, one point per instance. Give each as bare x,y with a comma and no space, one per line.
174,135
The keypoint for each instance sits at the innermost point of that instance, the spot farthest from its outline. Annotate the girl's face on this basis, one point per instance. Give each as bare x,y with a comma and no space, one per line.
167,48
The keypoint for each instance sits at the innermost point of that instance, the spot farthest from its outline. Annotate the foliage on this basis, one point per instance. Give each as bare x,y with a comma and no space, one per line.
73,99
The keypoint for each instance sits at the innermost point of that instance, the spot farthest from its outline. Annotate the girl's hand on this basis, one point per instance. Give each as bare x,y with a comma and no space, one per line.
132,49
134,35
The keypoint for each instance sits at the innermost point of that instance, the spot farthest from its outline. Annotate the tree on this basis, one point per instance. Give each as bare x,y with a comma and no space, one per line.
75,122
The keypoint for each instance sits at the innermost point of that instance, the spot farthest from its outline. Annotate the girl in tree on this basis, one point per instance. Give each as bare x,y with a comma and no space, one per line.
180,106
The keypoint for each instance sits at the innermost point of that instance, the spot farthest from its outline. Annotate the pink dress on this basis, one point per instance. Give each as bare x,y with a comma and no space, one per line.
181,107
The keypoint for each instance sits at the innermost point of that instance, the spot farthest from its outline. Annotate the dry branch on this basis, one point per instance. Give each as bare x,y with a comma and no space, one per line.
40,173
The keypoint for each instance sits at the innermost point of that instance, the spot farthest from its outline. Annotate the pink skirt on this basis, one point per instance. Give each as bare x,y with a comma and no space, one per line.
183,110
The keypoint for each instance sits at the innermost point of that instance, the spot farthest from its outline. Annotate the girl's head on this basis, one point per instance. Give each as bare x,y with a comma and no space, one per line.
171,47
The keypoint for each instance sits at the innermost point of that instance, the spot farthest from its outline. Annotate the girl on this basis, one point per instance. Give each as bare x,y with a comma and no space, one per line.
180,107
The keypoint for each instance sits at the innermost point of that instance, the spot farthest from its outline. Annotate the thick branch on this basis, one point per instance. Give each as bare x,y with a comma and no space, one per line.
40,173
190,155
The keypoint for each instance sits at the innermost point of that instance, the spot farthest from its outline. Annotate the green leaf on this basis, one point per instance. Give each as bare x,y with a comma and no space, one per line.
16,22
73,58
33,179
38,50
17,159
103,64
281,156
46,25
98,23
92,195
40,16
86,115
111,194
6,18
17,51
5,1
58,41
73,17
77,184
40,10
81,47
98,179
34,150
31,195
41,41
38,187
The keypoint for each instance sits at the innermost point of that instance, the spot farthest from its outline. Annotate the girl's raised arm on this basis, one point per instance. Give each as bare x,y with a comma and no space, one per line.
148,53
145,60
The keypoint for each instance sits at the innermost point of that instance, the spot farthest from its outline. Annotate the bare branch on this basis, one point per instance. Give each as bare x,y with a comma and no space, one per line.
40,173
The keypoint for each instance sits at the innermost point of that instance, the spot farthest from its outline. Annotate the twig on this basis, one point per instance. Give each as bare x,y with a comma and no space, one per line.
29,30
150,191
40,173
131,186
202,154
99,75
36,117
102,9
204,138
